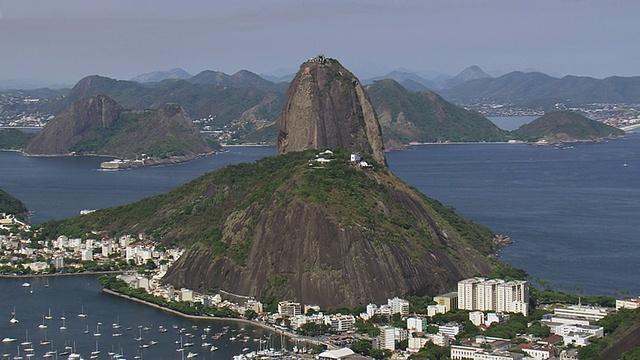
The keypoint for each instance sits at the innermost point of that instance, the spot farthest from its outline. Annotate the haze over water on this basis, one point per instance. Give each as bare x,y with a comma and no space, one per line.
571,212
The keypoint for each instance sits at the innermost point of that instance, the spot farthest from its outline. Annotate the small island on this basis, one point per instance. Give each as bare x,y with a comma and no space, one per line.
564,127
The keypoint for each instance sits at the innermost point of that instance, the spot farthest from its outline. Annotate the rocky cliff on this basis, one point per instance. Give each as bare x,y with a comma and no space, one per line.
75,124
326,107
99,126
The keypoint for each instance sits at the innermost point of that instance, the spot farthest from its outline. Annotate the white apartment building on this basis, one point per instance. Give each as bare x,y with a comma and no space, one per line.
628,304
387,338
450,329
416,324
432,310
86,255
289,308
494,295
398,306
340,323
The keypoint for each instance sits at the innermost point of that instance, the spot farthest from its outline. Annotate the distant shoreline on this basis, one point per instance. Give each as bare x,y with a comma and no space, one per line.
16,276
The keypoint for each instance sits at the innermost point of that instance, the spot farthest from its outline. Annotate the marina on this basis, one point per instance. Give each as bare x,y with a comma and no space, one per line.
122,329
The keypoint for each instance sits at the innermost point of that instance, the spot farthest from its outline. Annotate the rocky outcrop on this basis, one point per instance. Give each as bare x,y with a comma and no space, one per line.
74,125
327,108
99,126
307,251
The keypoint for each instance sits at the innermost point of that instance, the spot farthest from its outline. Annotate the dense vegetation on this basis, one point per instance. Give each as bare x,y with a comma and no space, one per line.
14,139
622,330
197,212
565,125
426,117
11,205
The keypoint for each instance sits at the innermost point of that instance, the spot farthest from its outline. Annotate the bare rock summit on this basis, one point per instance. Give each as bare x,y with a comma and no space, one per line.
326,107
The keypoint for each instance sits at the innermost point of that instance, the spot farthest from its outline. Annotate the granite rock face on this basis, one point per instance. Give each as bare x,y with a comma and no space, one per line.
327,108
75,124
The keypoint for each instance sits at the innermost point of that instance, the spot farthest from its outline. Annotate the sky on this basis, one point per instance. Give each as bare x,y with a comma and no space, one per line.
62,41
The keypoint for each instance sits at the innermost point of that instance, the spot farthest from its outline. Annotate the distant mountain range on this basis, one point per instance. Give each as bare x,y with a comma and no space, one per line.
414,82
157,76
528,88
250,105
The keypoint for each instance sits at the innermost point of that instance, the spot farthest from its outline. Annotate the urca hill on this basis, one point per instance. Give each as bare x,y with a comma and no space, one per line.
310,225
97,125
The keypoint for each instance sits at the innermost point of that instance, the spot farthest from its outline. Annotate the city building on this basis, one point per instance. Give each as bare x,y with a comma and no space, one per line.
494,295
566,329
416,324
432,310
449,300
581,312
58,262
537,352
289,308
628,304
398,306
185,295
387,338
86,255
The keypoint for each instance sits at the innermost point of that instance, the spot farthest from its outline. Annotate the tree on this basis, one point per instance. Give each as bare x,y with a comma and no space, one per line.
362,346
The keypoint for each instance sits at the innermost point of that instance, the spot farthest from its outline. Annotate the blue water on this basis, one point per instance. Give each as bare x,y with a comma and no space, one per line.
69,295
572,212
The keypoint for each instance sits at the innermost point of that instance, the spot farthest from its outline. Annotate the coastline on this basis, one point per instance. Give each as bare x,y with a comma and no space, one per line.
216,318
16,276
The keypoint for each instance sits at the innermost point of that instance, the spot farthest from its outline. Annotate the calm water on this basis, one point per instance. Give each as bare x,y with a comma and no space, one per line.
70,295
57,188
572,212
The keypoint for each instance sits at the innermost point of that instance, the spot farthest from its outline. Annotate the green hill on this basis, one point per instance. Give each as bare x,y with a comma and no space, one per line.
14,139
335,234
11,205
565,127
97,125
424,116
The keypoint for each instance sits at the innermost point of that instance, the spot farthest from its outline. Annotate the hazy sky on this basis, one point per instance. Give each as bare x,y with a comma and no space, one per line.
64,40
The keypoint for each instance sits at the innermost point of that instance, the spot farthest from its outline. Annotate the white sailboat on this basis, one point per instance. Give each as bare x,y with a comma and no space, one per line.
49,317
97,333
64,326
13,317
43,325
26,341
45,341
96,351
82,313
